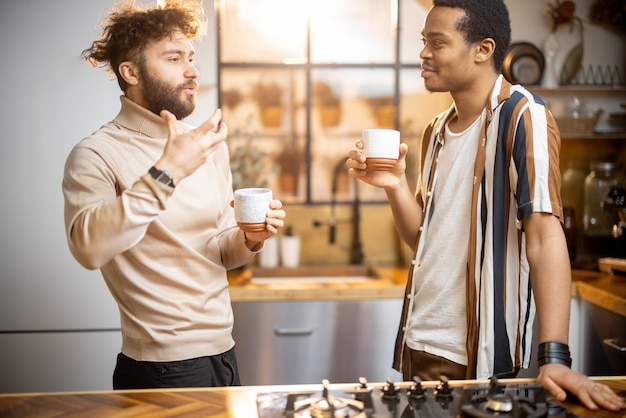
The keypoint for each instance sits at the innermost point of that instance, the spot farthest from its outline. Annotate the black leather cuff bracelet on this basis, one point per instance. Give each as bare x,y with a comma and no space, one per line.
553,352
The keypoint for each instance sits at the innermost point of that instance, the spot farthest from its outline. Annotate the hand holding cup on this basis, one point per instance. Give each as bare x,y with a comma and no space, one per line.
381,148
251,206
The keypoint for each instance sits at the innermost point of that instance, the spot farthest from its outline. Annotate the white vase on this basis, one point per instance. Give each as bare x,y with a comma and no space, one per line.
567,60
551,47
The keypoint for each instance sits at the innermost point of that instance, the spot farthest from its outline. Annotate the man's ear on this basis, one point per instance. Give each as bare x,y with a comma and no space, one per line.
485,49
129,72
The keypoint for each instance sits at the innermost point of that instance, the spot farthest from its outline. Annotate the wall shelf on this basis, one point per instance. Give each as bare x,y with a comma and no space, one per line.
579,89
601,137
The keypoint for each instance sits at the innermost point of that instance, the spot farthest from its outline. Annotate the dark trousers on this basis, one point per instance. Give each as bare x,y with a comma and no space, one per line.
429,366
209,371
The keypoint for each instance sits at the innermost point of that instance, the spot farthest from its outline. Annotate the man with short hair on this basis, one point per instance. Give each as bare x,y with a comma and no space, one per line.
484,221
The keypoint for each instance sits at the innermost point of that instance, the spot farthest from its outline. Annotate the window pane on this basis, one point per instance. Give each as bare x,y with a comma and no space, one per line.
363,99
352,31
412,15
264,111
271,31
417,107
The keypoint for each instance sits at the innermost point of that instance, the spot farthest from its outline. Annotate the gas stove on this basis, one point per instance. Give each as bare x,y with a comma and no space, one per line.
411,400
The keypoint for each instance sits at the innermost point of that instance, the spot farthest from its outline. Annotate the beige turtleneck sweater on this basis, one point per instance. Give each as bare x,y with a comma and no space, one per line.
162,251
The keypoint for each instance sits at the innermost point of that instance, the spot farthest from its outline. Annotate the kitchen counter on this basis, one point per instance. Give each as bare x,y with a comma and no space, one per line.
389,284
608,291
234,402
605,290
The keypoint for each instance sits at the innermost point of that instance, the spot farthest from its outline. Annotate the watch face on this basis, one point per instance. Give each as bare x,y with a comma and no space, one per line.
162,176
165,178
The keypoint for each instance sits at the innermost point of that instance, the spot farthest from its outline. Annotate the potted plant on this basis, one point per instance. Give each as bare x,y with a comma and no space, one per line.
269,98
232,98
384,110
291,161
327,103
249,163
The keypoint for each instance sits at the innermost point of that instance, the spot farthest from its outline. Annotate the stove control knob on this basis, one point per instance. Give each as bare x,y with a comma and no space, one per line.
443,388
363,393
416,391
443,393
390,391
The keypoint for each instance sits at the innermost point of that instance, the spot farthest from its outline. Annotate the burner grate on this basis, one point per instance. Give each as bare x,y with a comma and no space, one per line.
411,400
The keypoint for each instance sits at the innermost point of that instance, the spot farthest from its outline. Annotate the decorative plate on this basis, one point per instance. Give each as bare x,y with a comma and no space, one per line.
523,64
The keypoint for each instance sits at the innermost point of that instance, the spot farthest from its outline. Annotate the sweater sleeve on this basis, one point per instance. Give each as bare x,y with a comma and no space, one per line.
230,240
100,220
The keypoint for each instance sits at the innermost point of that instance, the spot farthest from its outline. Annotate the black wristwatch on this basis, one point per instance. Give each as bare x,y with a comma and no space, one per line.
162,176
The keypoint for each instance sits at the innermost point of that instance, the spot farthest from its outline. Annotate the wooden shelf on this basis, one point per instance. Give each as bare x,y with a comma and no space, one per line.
588,137
579,89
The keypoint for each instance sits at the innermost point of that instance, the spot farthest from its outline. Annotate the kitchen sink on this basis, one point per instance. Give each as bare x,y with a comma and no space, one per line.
315,274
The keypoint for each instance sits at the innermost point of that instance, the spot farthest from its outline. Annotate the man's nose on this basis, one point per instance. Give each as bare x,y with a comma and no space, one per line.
192,71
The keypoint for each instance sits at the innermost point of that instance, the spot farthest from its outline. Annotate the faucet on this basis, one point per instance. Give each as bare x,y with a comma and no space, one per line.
356,250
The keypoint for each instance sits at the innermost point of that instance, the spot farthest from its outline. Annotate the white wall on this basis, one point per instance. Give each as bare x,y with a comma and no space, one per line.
51,99
601,46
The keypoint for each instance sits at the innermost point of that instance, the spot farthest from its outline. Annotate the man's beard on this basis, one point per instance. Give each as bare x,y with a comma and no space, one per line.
162,96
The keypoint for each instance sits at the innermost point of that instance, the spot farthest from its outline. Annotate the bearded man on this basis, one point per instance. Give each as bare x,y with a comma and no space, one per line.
147,201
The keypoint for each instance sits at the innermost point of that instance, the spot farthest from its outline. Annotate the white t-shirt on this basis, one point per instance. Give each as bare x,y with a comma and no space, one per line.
437,322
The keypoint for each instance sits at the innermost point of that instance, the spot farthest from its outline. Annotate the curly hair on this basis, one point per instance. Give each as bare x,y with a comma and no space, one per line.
129,28
484,19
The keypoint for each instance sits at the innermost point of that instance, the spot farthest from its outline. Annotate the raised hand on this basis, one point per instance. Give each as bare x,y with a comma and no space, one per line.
185,152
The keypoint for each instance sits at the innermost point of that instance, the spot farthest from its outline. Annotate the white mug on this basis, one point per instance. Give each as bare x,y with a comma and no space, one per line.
251,206
381,143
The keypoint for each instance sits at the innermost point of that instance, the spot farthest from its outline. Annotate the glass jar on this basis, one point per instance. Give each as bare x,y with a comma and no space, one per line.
599,222
573,200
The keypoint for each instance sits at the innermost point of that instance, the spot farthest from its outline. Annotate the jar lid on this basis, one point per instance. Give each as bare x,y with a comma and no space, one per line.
605,165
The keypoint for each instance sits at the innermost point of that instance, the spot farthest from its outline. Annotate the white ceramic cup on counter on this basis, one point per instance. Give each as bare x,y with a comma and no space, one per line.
381,147
290,251
251,206
269,255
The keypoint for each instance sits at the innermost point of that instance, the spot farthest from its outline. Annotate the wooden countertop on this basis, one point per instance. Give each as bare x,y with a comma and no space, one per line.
603,289
388,285
233,402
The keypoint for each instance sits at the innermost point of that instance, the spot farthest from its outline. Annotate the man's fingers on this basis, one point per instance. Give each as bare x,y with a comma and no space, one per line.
223,129
211,123
172,124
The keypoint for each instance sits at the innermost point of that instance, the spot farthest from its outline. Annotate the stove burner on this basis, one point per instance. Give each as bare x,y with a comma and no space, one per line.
411,400
528,401
499,403
328,406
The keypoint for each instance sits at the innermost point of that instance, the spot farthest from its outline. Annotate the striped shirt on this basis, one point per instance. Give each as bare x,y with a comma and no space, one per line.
516,173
